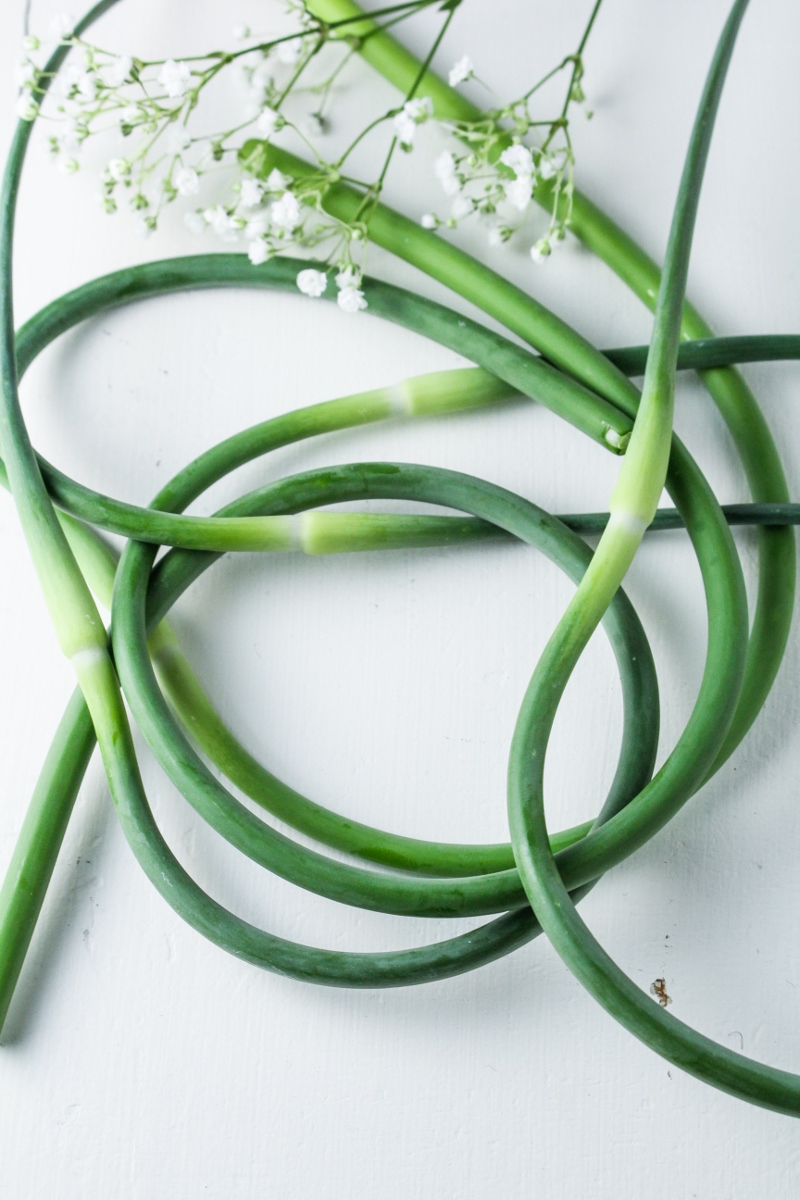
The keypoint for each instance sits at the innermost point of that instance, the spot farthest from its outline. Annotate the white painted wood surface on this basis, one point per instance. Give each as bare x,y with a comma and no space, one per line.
143,1063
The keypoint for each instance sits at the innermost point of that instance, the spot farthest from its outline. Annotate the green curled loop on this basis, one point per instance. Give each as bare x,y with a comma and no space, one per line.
492,892
205,914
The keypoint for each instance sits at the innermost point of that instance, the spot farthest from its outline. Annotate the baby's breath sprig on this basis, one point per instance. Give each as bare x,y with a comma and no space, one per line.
150,105
494,173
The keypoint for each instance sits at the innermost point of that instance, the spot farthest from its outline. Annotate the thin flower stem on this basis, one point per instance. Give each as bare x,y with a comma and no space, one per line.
589,26
546,79
377,187
577,60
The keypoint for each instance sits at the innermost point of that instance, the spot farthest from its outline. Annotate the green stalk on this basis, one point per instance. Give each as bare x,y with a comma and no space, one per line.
517,368
77,624
217,806
706,352
45,823
483,287
34,858
79,629
751,435
443,392
677,1042
644,468
302,962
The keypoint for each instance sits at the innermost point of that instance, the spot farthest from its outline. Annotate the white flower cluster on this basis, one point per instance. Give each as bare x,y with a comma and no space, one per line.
97,91
263,215
485,189
150,104
495,174
461,71
269,217
490,172
350,299
412,114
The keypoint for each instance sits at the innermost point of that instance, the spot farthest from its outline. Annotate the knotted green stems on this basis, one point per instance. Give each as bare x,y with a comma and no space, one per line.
206,470
38,844
34,857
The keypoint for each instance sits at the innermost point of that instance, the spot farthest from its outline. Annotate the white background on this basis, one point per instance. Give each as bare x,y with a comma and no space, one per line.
140,1061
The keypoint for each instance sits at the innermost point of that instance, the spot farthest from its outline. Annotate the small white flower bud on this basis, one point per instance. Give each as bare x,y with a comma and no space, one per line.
187,181
405,129
316,125
250,193
119,169
26,72
277,181
256,228
285,212
545,167
462,206
312,283
220,221
289,52
88,84
519,191
540,251
258,252
267,122
460,71
414,112
348,277
61,26
419,109
351,300
519,159
175,77
117,72
26,107
445,169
